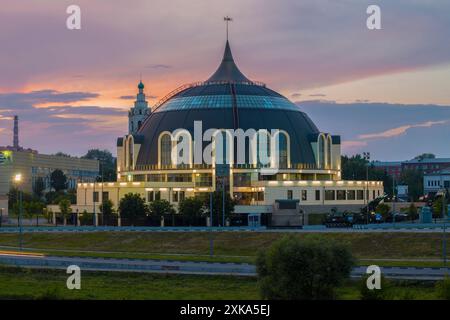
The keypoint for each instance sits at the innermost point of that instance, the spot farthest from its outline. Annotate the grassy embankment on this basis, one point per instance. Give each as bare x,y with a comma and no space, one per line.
401,249
18,283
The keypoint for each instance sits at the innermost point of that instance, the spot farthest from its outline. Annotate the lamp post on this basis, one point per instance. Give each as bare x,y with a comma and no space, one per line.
393,199
366,156
17,181
444,236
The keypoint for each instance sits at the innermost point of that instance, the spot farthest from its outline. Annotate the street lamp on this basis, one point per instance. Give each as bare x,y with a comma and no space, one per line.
17,180
366,156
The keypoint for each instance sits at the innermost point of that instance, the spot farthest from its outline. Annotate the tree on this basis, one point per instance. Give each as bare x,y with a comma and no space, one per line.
107,211
355,167
218,206
58,180
414,180
33,207
191,208
107,208
65,209
425,156
383,209
437,208
306,269
39,187
132,207
412,212
107,163
160,207
443,288
62,154
375,294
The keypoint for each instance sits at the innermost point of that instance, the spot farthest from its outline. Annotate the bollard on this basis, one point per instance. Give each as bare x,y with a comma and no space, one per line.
96,219
78,219
208,222
162,221
119,222
54,218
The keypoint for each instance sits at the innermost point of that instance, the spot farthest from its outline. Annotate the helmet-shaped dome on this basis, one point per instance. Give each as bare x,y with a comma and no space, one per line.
228,100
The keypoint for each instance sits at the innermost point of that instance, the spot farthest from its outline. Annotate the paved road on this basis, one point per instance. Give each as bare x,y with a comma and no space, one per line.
188,267
431,228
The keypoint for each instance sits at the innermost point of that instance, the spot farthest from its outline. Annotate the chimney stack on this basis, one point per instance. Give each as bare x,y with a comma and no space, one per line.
16,133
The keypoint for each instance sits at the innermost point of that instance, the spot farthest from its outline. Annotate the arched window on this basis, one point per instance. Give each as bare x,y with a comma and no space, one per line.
329,144
139,124
125,154
284,150
165,150
130,149
220,147
321,152
182,148
263,149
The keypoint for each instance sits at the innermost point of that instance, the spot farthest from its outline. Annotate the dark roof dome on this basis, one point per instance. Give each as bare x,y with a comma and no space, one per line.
227,100
140,85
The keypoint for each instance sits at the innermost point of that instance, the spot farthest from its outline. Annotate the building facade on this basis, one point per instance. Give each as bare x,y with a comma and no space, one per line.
392,168
302,165
32,166
427,166
434,182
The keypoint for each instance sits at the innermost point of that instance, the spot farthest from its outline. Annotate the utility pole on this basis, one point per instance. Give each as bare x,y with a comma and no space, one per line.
223,202
444,235
393,199
366,156
211,244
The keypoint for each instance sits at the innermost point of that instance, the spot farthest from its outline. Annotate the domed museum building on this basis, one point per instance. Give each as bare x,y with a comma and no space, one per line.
232,134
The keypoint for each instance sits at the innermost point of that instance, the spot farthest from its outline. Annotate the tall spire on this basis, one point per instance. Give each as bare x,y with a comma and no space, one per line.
228,70
227,19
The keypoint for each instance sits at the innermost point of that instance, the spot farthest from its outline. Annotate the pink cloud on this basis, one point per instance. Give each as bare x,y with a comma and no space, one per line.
400,130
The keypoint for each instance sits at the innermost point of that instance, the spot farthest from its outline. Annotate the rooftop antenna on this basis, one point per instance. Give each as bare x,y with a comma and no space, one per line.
227,19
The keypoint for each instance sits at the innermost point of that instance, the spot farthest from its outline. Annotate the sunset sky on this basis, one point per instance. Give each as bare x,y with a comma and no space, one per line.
384,91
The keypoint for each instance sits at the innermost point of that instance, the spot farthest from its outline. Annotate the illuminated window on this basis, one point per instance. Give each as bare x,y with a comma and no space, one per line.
166,150
283,150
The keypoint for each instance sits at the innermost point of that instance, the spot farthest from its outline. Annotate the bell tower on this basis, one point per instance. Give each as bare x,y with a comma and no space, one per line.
139,112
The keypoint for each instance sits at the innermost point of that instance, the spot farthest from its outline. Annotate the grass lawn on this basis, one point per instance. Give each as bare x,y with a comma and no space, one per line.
228,246
20,283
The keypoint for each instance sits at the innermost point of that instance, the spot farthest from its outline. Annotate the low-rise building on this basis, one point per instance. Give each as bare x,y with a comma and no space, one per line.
433,182
392,168
33,167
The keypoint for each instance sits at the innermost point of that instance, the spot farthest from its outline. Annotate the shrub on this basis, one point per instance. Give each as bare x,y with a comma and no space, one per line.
65,209
383,209
86,218
132,207
160,207
294,268
375,294
443,288
191,208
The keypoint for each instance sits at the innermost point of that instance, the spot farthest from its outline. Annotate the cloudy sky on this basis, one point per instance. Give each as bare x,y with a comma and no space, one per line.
385,91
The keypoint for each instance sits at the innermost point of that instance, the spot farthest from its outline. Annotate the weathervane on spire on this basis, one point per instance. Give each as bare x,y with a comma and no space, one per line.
227,19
